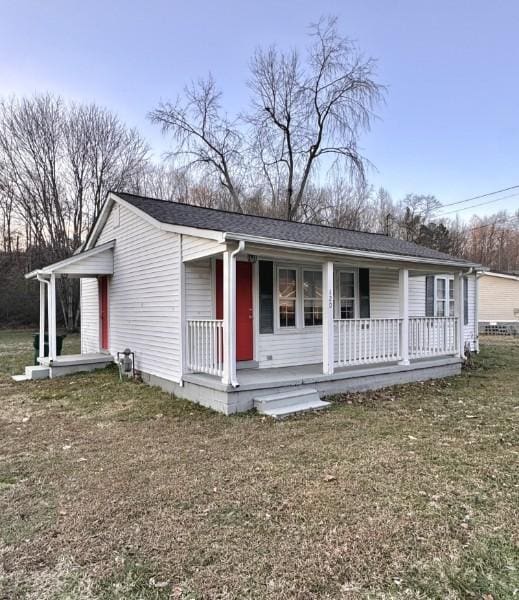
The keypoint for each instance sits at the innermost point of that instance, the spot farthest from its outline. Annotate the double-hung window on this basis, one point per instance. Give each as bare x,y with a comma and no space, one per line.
346,295
444,306
312,298
287,296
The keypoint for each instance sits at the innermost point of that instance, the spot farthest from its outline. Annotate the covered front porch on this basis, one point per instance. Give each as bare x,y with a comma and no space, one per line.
97,263
332,318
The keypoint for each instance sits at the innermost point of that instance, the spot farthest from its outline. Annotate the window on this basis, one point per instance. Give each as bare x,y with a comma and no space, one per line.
287,297
313,298
346,295
444,297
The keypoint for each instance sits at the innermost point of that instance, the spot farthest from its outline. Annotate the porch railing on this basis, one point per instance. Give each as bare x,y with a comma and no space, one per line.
205,346
364,341
432,336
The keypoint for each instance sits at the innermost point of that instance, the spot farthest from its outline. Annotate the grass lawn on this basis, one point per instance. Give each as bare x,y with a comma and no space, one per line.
117,490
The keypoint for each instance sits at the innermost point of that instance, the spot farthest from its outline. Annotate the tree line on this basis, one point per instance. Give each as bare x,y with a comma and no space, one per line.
293,152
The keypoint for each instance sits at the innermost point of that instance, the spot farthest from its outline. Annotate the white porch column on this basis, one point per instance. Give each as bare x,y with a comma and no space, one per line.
403,284
51,308
328,329
229,319
41,350
458,312
476,310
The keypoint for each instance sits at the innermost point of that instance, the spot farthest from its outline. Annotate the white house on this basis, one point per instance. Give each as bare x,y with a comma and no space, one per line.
498,303
235,311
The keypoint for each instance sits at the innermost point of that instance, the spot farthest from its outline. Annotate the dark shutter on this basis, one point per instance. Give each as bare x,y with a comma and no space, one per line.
465,300
266,299
429,296
364,293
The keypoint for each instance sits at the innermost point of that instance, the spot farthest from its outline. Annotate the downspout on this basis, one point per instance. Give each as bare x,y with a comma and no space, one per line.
234,254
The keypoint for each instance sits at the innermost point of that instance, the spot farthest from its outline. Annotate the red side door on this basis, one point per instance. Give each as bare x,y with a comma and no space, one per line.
244,339
103,312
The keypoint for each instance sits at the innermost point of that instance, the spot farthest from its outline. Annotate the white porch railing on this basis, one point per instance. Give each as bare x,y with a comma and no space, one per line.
432,336
364,341
205,346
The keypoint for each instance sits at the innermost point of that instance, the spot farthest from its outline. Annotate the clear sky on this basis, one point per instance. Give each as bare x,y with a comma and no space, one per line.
450,123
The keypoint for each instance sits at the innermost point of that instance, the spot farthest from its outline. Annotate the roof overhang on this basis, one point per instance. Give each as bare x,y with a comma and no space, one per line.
331,250
90,263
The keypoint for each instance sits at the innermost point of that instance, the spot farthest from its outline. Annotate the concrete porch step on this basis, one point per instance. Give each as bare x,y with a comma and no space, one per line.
19,378
37,372
288,403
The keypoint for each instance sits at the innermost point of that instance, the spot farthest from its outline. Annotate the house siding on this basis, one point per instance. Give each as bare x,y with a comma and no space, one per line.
144,294
199,290
498,299
195,247
417,305
304,345
89,315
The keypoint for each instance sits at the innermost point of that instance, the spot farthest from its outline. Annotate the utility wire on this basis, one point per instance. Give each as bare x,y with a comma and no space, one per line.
512,221
450,212
512,187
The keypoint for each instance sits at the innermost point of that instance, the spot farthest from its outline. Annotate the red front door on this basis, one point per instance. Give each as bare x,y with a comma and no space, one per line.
244,345
103,311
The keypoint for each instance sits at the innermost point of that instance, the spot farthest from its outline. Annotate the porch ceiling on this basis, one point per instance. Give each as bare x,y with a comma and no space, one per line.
91,263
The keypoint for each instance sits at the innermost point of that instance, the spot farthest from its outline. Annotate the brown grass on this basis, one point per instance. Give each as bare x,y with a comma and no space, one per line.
111,490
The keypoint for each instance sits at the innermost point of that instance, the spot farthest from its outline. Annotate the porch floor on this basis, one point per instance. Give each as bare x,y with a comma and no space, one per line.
67,360
275,377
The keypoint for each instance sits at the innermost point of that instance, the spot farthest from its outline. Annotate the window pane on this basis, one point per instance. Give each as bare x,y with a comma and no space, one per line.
312,284
347,309
440,308
287,313
451,290
313,312
440,289
287,283
451,308
346,285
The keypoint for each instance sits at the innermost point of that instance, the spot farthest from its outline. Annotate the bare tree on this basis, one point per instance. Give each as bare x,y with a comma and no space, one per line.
205,137
306,111
57,162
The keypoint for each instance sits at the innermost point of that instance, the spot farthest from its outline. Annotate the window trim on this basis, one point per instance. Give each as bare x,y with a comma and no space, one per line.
337,290
307,269
277,323
447,300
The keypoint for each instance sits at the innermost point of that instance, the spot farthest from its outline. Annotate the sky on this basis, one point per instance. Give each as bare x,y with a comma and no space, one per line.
449,125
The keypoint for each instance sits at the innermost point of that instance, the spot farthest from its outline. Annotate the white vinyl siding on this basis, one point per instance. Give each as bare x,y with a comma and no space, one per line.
144,294
195,247
89,295
199,290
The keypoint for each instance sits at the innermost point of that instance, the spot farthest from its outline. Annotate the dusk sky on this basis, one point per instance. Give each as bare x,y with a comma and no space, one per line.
449,126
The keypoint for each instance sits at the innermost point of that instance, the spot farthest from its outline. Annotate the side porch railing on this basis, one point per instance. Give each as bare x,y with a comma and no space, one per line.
365,341
205,346
432,336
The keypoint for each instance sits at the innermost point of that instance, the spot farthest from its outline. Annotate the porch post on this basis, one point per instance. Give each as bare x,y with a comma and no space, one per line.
458,311
328,330
41,350
51,308
229,319
403,284
476,310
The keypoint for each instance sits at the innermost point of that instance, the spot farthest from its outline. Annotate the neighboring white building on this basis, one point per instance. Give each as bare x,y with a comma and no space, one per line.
235,311
498,303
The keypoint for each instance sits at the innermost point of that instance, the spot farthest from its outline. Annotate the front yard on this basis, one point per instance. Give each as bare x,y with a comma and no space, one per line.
117,490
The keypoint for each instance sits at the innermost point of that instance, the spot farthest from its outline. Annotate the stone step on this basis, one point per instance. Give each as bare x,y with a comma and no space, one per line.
19,378
37,372
288,403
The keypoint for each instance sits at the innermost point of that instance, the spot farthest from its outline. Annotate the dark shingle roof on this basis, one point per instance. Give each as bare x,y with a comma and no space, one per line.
187,215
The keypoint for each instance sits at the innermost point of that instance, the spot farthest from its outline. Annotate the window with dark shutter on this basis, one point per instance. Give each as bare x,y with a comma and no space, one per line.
429,296
465,301
364,311
266,298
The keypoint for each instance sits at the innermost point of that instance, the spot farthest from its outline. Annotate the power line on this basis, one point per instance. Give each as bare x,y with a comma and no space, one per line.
512,187
450,212
511,221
